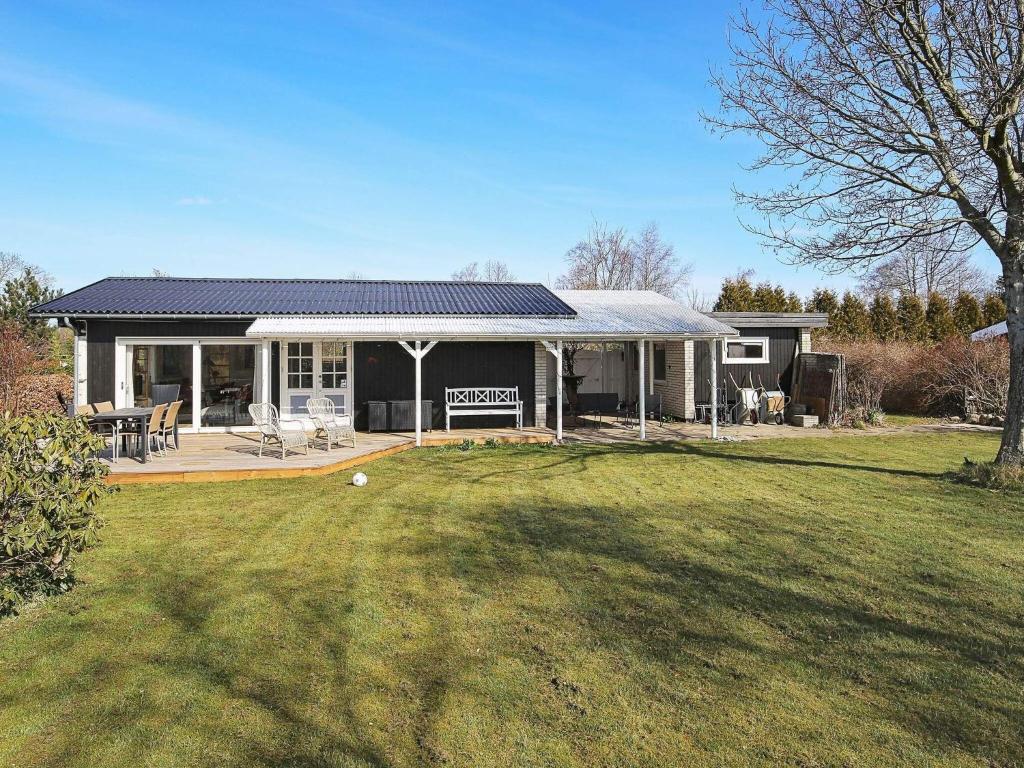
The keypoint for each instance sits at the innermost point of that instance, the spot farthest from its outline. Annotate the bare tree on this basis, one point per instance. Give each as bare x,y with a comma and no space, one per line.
11,264
493,271
696,299
608,259
655,265
924,267
894,120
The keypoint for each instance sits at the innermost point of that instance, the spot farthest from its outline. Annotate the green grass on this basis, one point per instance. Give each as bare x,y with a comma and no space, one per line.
793,602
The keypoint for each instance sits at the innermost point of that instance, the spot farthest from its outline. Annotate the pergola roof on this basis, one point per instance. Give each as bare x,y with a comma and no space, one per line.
600,315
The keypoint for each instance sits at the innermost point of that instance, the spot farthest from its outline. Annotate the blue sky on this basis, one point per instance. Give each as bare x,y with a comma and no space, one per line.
392,140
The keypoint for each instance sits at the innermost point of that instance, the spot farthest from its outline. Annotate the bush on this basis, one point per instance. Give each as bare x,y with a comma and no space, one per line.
971,377
50,481
881,376
39,394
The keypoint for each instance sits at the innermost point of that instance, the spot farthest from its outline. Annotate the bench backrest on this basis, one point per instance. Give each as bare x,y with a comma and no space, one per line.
481,396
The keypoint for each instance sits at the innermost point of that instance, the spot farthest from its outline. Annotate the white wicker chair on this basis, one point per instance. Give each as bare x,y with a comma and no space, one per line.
287,432
334,427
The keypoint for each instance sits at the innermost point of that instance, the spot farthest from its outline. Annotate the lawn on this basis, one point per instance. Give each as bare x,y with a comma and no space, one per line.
791,602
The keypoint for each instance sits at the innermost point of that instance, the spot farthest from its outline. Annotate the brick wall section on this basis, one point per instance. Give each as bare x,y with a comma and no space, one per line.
804,343
677,389
540,383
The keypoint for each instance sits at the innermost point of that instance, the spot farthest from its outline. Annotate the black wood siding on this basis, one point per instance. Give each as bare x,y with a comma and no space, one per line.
782,346
385,371
103,333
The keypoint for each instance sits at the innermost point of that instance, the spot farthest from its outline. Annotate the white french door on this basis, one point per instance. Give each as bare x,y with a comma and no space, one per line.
315,369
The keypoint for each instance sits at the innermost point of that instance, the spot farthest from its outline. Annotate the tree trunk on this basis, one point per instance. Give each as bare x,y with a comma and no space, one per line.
1011,450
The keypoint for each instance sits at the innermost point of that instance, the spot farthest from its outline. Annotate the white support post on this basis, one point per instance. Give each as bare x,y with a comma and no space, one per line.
265,370
418,354
419,391
642,403
713,353
558,390
556,350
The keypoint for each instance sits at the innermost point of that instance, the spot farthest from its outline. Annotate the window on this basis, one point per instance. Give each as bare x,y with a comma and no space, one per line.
161,371
333,365
659,362
746,351
300,365
228,380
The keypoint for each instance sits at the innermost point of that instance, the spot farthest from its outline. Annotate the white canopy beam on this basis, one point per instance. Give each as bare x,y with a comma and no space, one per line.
418,353
556,350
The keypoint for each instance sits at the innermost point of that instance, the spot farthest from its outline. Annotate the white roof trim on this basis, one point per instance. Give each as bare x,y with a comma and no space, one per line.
608,315
999,329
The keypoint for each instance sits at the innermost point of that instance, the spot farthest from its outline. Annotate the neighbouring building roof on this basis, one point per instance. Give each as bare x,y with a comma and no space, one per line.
599,315
193,297
773,319
999,329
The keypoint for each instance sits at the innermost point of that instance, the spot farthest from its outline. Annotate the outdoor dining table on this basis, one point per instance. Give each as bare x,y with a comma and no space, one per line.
116,416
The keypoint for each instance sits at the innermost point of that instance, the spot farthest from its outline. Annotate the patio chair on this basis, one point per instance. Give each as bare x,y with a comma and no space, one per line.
153,434
85,410
334,427
287,432
165,393
170,419
105,407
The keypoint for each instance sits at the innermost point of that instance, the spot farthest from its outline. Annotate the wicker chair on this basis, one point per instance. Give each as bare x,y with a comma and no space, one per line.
287,432
334,427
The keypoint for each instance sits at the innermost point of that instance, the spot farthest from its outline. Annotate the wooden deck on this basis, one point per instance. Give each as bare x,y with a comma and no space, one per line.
227,457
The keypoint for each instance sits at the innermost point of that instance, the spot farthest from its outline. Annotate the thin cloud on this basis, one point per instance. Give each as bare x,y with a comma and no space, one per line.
195,200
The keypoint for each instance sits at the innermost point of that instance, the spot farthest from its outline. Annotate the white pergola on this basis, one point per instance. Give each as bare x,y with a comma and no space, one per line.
631,317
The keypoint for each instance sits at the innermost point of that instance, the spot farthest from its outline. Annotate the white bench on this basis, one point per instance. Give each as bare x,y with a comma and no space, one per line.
482,401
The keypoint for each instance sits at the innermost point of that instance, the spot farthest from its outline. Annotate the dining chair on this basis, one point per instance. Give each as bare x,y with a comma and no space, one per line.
170,418
154,430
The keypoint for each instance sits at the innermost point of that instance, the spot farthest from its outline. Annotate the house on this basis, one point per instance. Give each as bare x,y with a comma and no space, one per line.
227,343
992,332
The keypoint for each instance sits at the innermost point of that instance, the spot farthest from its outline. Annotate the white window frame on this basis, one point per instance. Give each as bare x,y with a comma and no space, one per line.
196,343
762,340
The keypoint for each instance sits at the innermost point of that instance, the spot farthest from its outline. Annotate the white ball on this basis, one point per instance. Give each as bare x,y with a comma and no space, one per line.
359,479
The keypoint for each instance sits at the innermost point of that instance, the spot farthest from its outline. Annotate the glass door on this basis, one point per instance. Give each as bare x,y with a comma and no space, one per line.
299,377
334,373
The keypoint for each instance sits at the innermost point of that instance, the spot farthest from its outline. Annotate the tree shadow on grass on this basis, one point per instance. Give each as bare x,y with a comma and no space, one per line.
668,607
577,457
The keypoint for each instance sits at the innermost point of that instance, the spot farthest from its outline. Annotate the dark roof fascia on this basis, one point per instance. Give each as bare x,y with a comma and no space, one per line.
772,319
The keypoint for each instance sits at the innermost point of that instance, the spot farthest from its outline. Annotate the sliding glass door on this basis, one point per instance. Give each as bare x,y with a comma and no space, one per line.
228,378
161,373
216,379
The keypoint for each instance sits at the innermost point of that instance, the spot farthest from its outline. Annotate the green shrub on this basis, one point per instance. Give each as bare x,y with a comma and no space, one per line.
466,444
50,481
